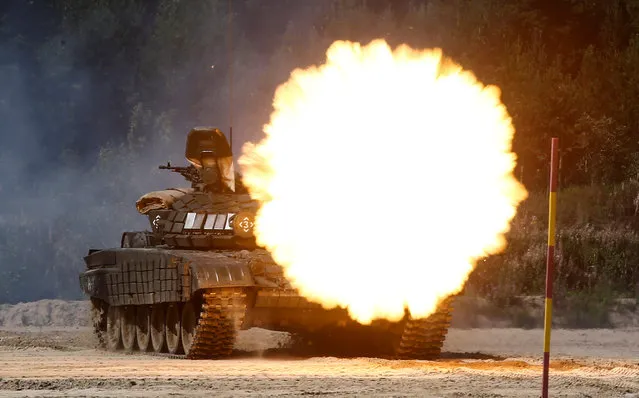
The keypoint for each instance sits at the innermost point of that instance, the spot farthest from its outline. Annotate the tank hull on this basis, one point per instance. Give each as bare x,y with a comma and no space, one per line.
195,302
136,276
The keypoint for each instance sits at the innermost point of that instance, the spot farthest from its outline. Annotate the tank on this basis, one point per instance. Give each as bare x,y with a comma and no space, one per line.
186,286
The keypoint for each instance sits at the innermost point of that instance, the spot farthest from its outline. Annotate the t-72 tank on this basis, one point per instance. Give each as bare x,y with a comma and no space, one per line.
197,277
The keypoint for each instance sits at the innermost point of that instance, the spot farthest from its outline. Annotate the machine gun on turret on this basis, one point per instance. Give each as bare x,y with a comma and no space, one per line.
211,159
190,173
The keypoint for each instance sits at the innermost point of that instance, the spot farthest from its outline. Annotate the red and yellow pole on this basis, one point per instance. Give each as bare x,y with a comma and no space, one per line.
550,260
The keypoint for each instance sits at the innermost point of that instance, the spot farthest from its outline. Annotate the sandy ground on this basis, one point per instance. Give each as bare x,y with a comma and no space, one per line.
48,350
61,361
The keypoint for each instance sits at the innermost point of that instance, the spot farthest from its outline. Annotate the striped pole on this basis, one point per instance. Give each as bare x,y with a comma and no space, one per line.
550,261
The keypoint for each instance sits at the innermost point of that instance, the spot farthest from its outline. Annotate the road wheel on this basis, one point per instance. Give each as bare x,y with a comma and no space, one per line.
172,328
128,328
143,328
189,323
157,328
113,332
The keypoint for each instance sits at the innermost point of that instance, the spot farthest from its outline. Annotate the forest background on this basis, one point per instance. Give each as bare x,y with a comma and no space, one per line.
95,94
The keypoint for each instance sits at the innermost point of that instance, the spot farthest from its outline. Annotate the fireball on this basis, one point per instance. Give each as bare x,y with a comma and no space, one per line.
383,177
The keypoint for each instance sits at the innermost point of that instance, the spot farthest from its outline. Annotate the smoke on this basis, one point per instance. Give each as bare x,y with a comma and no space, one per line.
58,200
93,99
67,182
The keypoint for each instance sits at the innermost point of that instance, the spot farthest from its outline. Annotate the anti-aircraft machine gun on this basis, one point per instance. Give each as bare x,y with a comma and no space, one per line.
190,173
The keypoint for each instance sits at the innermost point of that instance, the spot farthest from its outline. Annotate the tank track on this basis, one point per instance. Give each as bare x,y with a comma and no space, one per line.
424,338
222,316
406,339
223,311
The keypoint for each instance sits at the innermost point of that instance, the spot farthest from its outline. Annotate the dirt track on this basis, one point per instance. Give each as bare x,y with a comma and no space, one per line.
62,362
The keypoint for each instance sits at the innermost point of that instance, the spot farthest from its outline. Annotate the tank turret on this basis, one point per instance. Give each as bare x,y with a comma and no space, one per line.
210,214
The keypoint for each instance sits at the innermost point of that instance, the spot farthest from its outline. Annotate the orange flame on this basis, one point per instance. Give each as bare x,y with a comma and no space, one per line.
384,176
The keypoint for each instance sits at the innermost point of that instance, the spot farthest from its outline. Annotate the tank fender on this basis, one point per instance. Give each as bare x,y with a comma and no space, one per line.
94,282
97,258
215,270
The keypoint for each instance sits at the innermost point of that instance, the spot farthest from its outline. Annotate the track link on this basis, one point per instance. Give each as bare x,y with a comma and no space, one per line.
424,338
222,316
